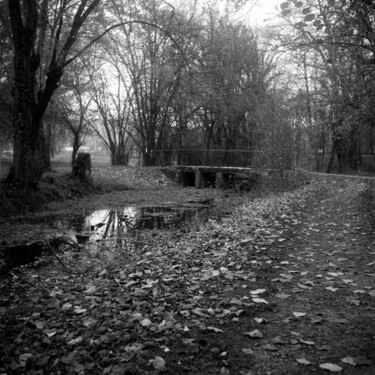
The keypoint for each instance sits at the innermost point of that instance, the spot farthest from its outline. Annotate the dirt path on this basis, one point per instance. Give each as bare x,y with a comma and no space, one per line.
312,281
284,284
327,273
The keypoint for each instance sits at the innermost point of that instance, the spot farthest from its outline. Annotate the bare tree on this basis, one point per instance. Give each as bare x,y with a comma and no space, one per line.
73,101
111,105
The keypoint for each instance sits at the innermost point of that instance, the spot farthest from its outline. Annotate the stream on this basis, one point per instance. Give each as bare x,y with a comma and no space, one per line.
125,227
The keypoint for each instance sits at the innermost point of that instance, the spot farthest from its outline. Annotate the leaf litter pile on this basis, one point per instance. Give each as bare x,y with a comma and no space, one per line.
282,284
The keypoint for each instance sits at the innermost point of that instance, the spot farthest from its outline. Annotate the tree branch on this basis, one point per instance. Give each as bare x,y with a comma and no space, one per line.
122,24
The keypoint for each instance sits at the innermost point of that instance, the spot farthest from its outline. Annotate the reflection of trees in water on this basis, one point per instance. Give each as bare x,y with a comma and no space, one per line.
107,225
124,228
161,217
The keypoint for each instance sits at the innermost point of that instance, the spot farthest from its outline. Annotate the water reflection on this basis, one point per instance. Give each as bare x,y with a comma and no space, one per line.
119,226
105,231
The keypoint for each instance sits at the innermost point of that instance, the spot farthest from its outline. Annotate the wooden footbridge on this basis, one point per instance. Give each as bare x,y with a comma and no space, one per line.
219,177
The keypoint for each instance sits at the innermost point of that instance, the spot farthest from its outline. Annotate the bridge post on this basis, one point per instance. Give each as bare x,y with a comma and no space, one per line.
200,179
221,180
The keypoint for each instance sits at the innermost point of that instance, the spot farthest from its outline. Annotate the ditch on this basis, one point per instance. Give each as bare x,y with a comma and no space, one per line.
123,228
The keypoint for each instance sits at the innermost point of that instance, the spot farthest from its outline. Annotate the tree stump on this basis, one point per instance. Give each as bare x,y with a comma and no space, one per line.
82,167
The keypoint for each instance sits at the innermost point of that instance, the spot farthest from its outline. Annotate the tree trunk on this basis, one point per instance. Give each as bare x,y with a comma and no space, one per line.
149,159
75,148
53,141
119,156
340,160
48,146
29,139
331,159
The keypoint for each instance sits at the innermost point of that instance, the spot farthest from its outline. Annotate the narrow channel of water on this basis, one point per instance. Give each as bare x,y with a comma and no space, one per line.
108,227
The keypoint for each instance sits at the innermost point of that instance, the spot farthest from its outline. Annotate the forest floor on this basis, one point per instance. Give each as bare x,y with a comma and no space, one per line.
278,283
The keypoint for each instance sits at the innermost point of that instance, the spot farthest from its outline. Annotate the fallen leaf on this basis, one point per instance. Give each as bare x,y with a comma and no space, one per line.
349,361
307,342
332,289
278,340
24,358
258,291
247,351
88,322
236,301
246,241
334,274
355,302
357,361
134,348
146,322
282,295
270,347
214,329
158,363
297,290
299,314
50,332
39,325
255,334
260,300
303,361
91,289
54,302
260,320
325,347
66,306
75,341
330,367
317,321
303,286
79,310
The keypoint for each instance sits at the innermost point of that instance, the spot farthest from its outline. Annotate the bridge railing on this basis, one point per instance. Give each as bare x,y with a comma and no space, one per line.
271,159
229,158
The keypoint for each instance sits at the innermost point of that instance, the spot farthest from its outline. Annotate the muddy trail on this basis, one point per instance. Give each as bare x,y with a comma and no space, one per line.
282,284
316,283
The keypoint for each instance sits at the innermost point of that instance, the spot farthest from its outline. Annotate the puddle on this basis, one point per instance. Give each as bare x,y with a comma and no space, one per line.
121,228
129,222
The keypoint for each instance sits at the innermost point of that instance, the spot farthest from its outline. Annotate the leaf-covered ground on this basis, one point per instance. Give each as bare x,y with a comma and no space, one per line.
283,284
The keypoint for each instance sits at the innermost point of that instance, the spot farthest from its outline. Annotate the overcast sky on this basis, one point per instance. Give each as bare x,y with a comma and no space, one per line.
263,11
257,12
